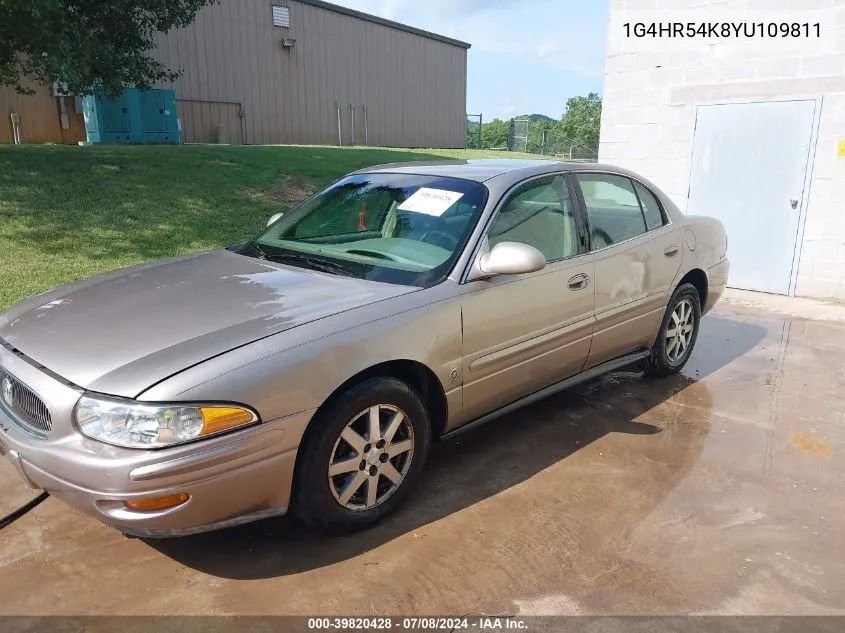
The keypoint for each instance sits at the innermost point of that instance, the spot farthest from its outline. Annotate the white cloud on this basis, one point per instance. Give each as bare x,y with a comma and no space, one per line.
546,48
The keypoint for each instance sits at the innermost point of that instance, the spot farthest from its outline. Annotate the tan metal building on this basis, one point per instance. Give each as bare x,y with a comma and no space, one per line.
39,118
310,72
289,71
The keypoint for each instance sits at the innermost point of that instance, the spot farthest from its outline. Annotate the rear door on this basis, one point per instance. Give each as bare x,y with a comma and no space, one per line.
636,253
525,332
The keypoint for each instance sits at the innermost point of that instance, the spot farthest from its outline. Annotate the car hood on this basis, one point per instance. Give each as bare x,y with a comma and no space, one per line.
121,332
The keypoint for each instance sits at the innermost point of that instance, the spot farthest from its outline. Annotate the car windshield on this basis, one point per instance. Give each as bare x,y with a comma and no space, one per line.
394,228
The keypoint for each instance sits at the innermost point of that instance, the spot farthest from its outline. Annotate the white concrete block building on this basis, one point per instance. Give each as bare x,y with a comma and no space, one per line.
745,123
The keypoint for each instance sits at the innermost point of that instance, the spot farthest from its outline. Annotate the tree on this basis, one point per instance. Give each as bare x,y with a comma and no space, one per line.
87,44
539,129
581,122
494,134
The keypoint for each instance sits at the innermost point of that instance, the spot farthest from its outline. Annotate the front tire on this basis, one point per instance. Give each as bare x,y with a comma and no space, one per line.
678,334
361,457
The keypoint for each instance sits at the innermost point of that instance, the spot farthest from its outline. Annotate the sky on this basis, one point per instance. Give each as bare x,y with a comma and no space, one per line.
527,56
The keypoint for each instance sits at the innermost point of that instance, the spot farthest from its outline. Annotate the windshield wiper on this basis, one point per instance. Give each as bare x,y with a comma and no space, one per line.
253,245
313,263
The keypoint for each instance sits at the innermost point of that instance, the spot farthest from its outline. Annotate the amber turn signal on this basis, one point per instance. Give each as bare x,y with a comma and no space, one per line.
217,419
157,503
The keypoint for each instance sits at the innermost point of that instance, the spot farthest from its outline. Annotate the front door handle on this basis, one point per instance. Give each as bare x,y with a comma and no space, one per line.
579,281
671,250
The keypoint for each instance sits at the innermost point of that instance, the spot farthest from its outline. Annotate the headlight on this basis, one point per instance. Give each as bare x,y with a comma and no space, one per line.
139,425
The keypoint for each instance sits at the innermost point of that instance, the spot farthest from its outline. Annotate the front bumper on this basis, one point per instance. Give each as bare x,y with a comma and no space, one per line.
231,479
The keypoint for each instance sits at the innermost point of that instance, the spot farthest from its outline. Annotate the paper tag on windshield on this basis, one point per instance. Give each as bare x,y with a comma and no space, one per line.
430,201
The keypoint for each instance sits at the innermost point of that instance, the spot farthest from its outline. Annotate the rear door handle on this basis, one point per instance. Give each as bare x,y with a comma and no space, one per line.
671,250
579,281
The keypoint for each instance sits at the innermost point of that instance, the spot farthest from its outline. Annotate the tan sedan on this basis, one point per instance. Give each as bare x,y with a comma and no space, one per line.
311,368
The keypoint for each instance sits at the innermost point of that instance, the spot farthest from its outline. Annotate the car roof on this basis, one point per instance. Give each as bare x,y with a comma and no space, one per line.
482,169
502,173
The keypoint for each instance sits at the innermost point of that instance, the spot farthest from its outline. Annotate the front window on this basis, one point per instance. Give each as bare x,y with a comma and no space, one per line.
394,228
542,215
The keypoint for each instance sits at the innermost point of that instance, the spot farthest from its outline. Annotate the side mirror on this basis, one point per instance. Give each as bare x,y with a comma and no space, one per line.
273,218
509,258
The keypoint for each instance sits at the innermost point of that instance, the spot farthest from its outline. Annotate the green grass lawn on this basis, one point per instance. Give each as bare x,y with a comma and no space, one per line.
69,212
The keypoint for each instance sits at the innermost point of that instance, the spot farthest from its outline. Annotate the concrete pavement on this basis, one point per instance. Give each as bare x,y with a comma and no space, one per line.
717,491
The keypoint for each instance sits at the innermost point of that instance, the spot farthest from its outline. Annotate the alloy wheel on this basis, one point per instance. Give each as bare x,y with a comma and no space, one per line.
371,457
679,331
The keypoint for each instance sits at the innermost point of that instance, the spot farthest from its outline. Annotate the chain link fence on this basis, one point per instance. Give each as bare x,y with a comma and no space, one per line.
542,136
546,138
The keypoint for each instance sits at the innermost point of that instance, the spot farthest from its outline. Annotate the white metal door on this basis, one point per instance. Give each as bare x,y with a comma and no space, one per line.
749,167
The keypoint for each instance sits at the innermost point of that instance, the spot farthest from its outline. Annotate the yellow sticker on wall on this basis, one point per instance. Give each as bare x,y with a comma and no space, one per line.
840,148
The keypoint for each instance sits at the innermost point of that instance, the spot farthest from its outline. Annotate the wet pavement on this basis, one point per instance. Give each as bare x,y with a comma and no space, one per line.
721,490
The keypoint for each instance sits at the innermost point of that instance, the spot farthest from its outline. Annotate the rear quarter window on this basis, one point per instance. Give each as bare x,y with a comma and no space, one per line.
652,210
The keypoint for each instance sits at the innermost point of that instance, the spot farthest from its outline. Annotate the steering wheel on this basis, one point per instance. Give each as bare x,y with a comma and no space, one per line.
440,238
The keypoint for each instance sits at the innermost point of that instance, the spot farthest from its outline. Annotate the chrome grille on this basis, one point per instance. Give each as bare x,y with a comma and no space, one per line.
24,405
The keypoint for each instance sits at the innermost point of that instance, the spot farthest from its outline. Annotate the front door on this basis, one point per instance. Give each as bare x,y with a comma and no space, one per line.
749,165
525,332
637,255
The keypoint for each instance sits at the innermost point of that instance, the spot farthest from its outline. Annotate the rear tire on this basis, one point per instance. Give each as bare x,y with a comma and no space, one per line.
361,457
677,336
